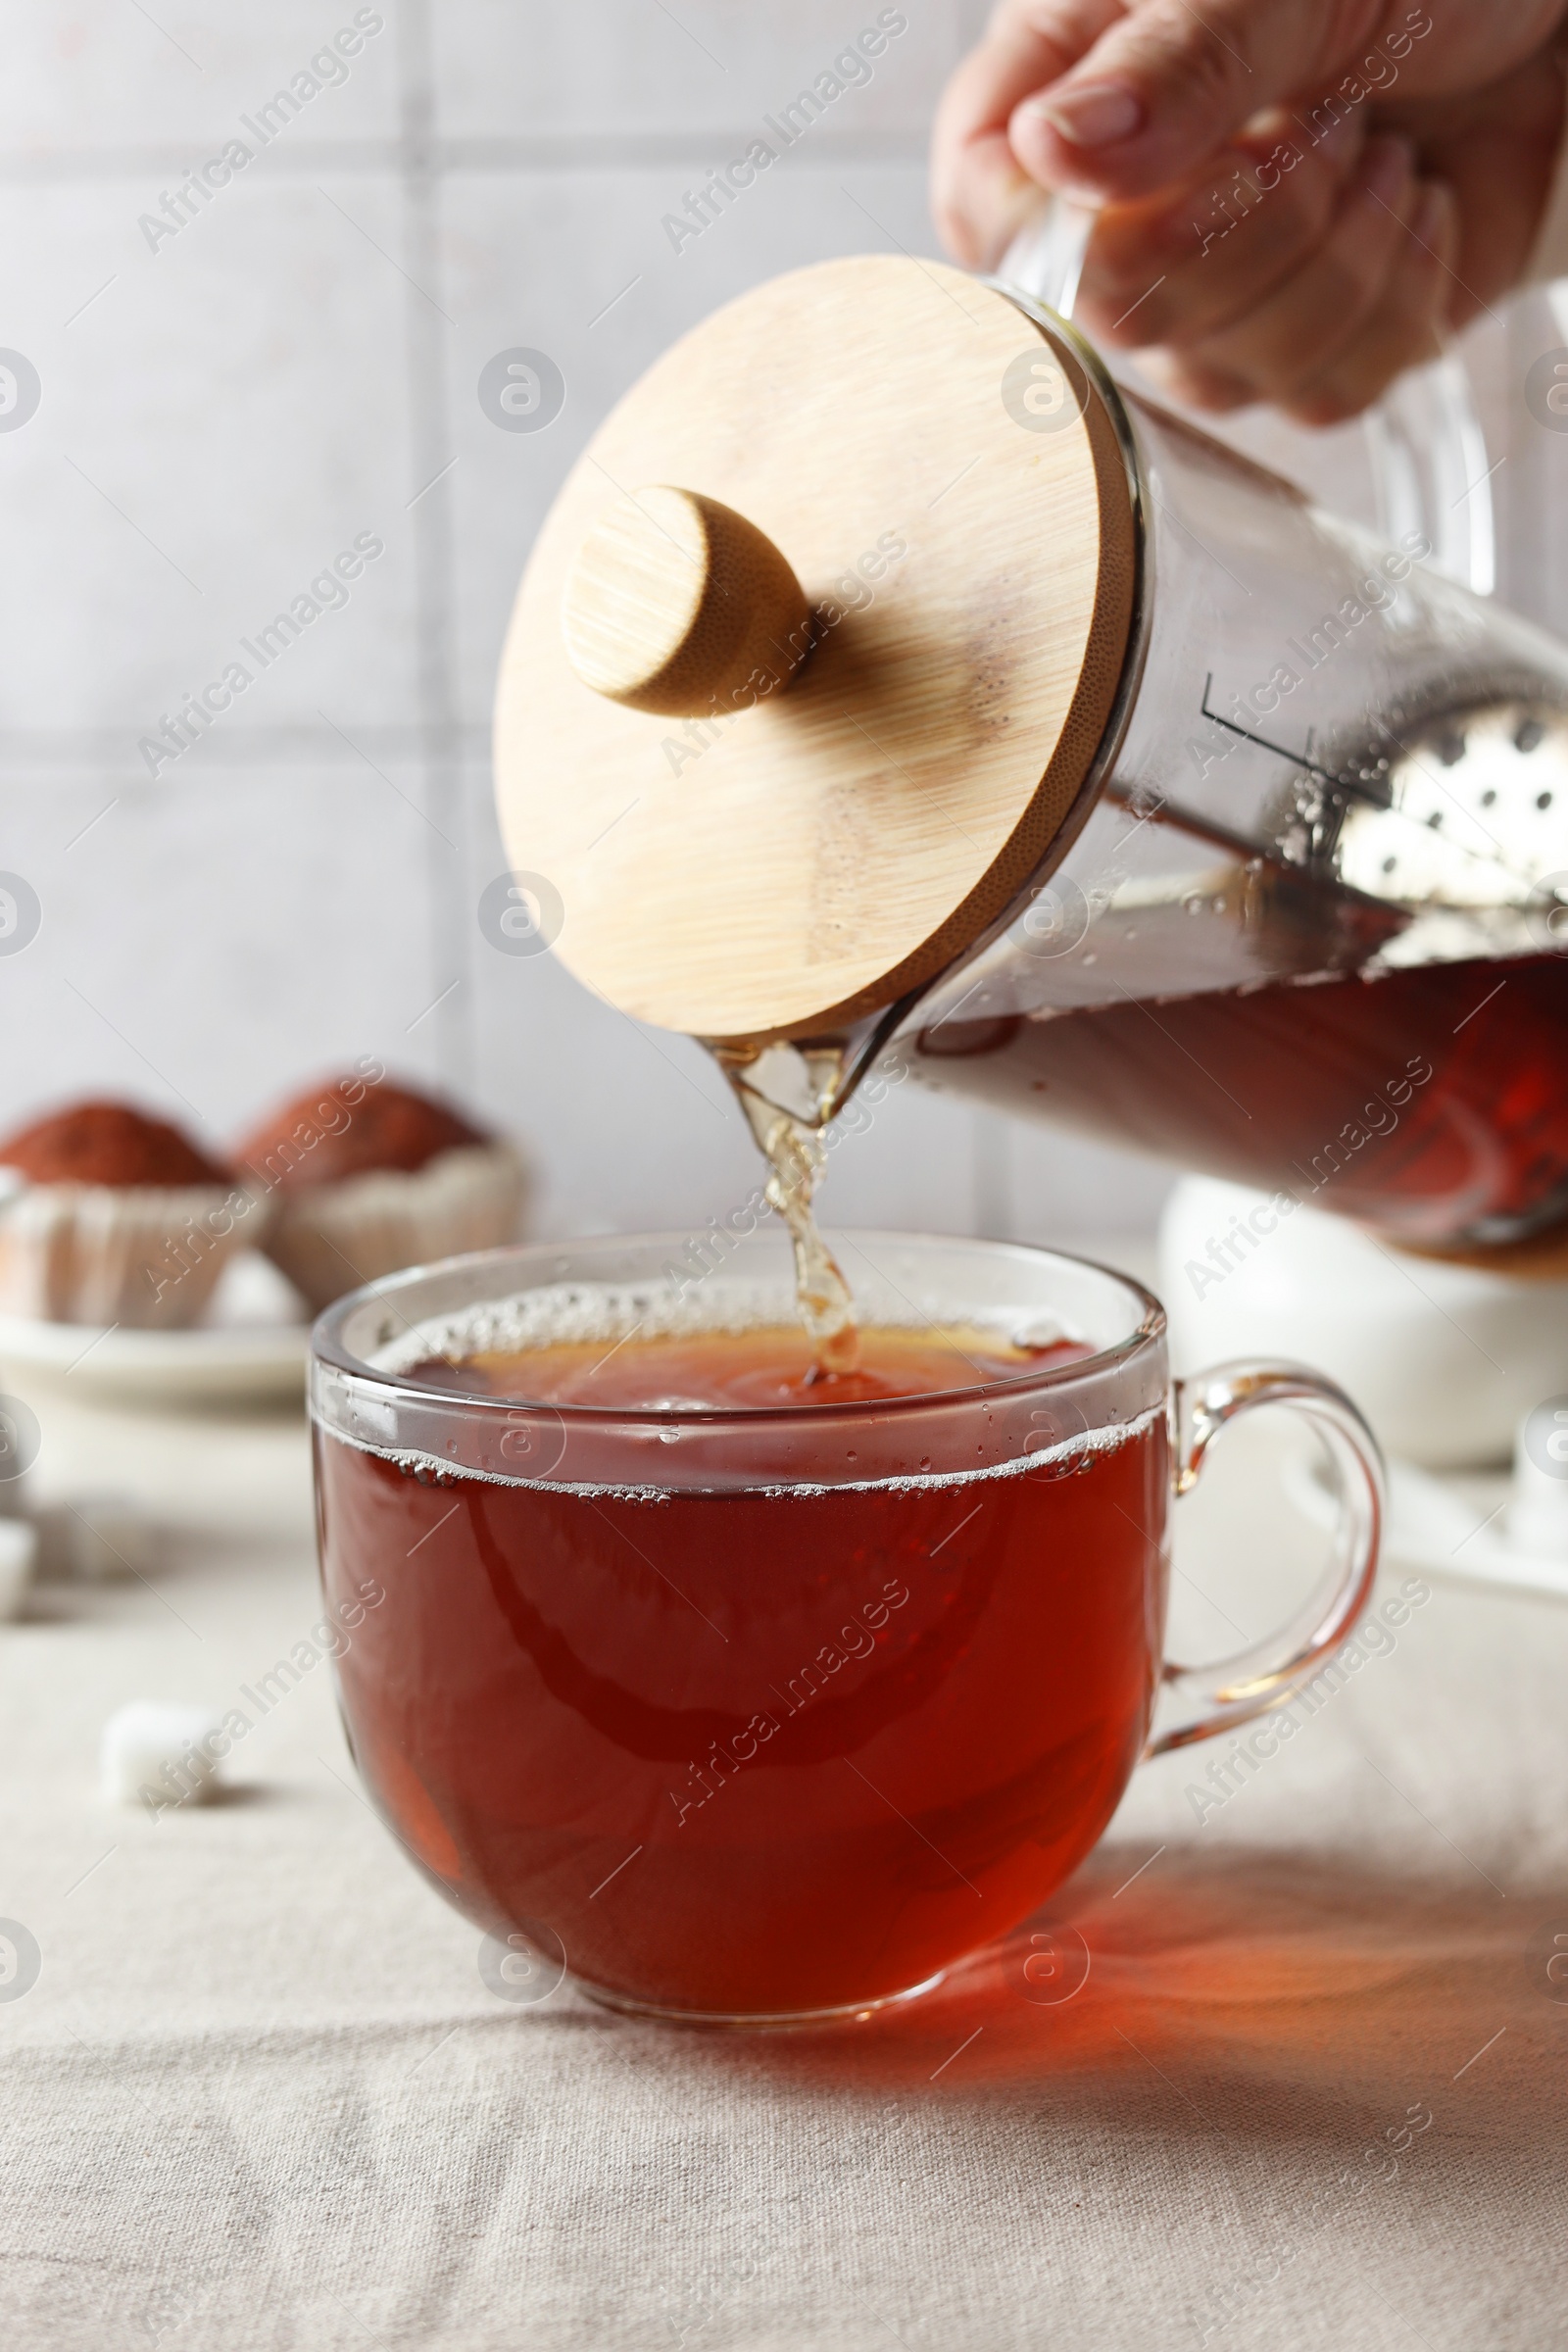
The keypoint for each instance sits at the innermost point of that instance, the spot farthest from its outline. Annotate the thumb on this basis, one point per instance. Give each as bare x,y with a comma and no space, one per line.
1166,87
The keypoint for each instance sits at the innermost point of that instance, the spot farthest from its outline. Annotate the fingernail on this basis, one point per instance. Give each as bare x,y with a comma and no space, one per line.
1388,165
1431,223
1092,114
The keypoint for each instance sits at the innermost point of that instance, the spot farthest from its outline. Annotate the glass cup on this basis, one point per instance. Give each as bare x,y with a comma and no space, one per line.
756,1714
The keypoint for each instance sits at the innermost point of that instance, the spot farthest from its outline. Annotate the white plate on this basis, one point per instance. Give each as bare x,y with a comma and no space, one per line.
251,1345
1435,1525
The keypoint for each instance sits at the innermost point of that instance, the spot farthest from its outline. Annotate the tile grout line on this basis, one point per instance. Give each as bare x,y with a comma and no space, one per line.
544,153
420,179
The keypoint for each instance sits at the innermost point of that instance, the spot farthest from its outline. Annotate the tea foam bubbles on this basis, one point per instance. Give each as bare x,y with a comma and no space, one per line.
561,1314
567,1313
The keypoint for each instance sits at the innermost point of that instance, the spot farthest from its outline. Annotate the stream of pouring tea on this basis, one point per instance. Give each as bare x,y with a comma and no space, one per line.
796,1157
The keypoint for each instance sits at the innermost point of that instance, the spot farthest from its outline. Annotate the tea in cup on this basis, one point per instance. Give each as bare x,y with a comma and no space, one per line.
753,1693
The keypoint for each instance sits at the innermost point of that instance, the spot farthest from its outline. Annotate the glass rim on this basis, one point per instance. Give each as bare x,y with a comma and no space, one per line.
327,1349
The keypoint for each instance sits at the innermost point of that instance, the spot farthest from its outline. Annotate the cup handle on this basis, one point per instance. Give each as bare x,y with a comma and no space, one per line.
1429,451
1238,1688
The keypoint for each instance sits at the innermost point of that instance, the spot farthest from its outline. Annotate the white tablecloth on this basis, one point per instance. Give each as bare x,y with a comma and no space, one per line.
258,2095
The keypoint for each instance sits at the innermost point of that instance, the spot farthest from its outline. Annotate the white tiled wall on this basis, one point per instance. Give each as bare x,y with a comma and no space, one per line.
298,365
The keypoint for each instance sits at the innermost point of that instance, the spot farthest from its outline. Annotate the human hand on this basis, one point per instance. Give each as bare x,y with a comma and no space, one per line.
1296,199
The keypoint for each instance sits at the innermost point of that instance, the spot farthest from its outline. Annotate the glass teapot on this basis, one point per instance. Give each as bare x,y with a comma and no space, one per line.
887,673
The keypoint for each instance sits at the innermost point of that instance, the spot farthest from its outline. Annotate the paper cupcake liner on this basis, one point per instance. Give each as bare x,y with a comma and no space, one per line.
329,1238
143,1256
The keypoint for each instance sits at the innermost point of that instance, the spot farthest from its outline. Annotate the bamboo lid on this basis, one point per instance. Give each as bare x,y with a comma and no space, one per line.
815,649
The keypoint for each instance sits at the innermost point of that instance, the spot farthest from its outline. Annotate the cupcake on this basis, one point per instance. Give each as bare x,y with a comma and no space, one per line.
367,1177
110,1218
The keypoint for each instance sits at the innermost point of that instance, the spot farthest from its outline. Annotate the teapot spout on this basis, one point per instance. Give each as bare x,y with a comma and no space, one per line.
811,1078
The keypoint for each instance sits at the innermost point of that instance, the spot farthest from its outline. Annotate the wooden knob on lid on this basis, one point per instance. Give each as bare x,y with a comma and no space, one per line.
972,572
677,604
